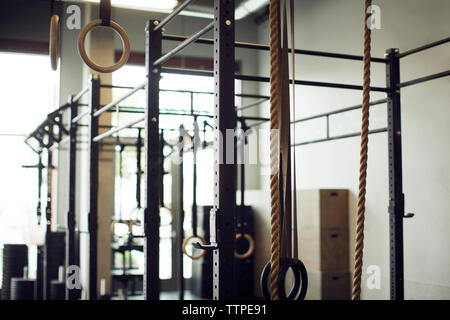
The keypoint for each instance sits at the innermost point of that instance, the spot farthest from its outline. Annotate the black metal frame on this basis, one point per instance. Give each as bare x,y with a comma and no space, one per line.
93,185
396,197
152,286
222,216
180,218
71,256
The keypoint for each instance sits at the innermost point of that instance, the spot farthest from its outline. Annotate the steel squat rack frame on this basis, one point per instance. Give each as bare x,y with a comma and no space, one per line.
222,232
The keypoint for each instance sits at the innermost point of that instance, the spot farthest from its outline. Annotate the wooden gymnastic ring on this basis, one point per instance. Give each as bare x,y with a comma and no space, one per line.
251,246
184,245
125,42
54,42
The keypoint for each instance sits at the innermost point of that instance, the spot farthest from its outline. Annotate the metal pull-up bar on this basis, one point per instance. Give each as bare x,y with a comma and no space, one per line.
263,47
174,13
424,79
267,79
80,116
123,97
80,94
115,130
422,48
184,44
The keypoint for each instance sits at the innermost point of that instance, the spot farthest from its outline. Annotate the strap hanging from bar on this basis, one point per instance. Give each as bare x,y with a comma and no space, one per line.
39,199
285,139
195,236
163,210
122,148
242,209
294,180
356,294
105,12
136,214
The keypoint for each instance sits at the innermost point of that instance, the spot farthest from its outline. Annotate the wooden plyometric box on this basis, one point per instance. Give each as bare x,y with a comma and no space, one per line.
323,208
323,229
328,285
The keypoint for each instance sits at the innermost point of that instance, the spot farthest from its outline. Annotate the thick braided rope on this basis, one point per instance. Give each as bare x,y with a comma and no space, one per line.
356,295
275,100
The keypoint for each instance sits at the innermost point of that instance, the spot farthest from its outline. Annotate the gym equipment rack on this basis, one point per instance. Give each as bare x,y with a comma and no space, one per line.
222,233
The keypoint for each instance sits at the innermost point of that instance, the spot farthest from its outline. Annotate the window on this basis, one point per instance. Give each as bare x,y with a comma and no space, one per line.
27,95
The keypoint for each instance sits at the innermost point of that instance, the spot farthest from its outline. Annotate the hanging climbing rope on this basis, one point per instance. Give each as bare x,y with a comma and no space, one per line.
282,256
356,294
275,100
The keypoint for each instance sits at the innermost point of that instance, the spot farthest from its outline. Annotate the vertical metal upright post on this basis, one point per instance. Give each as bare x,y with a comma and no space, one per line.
161,186
39,204
180,230
93,185
48,213
153,158
222,215
70,235
138,168
396,197
48,207
40,251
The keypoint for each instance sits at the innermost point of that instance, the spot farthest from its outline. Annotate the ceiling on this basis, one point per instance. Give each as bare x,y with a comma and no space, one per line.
198,8
207,5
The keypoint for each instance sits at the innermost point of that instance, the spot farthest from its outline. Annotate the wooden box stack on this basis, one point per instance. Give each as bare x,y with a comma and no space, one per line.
324,243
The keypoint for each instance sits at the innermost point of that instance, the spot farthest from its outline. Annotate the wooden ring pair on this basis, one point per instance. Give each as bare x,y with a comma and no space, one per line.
54,42
82,49
298,292
185,243
251,246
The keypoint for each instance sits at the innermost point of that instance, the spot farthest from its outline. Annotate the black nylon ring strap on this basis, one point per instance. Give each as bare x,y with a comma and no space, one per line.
122,148
162,145
195,142
298,265
39,199
285,157
138,168
56,8
105,12
162,206
241,210
294,180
